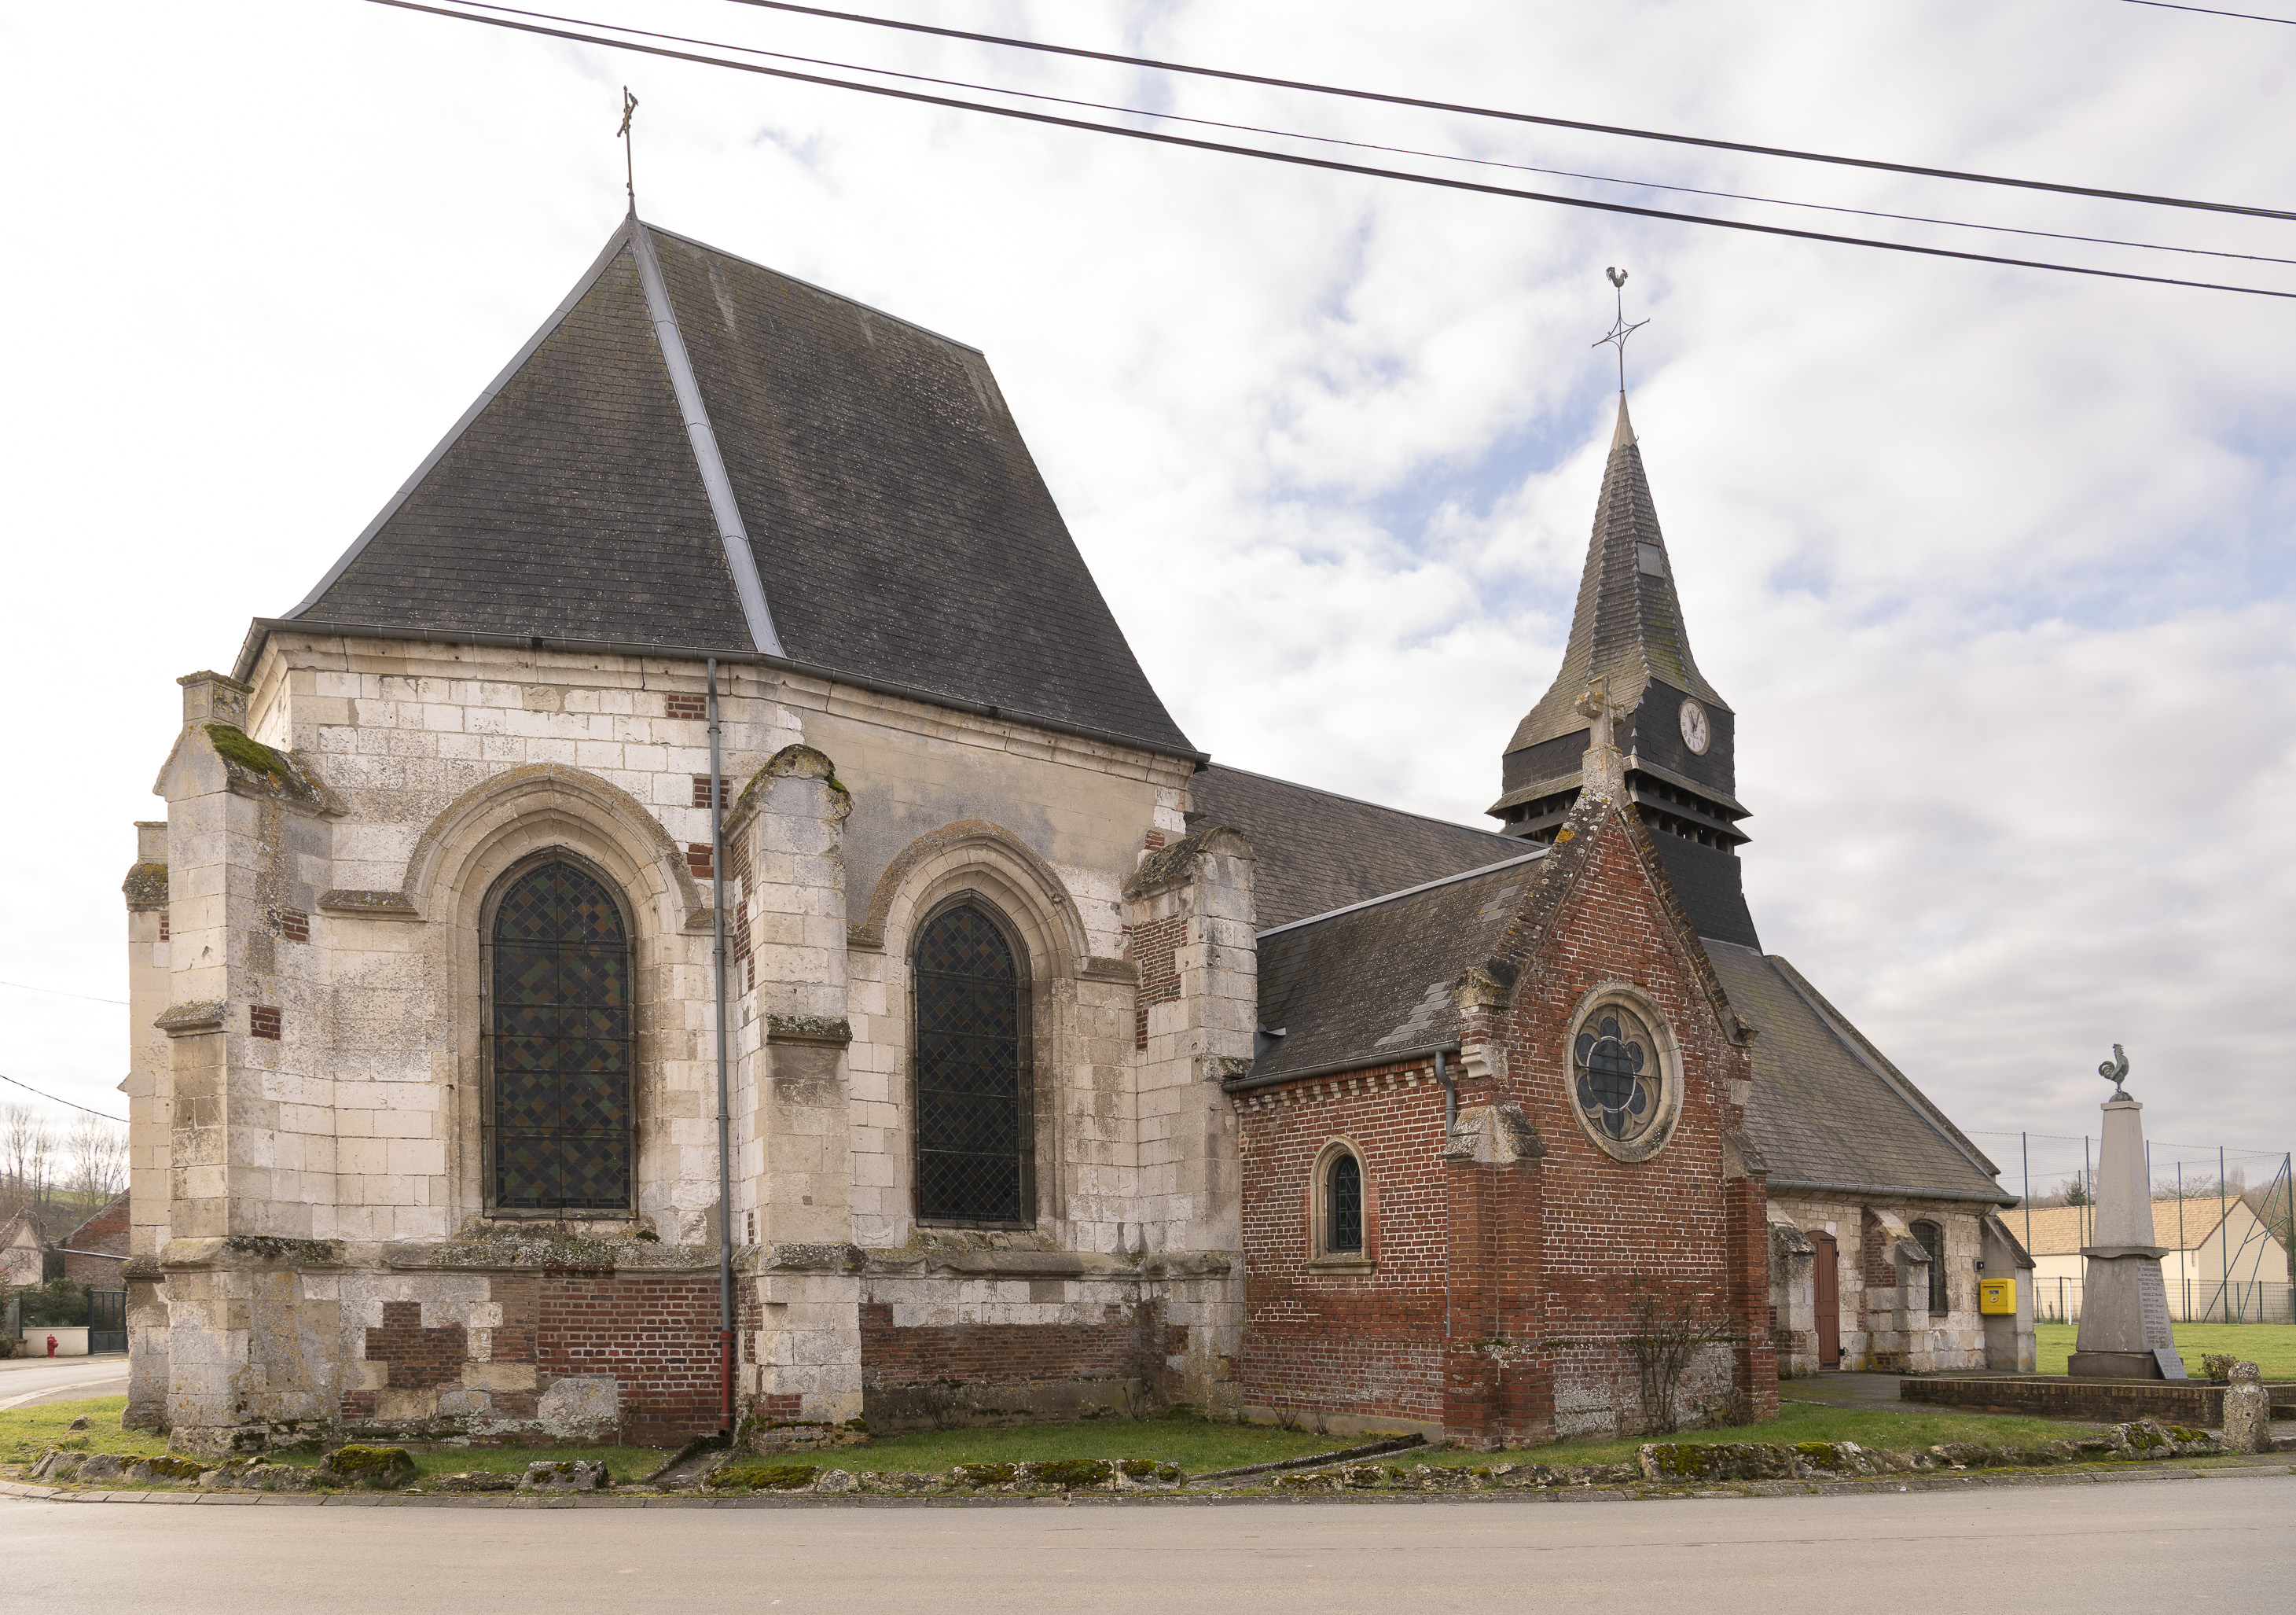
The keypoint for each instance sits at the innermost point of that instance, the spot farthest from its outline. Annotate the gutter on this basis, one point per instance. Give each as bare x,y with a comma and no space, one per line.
1905,1189
1400,1057
261,629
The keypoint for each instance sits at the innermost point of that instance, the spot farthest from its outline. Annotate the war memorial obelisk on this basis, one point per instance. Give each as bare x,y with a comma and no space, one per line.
2124,1323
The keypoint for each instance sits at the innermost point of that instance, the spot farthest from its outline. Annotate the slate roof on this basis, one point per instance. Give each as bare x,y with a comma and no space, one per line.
900,529
1627,626
1828,1109
1375,981
1320,851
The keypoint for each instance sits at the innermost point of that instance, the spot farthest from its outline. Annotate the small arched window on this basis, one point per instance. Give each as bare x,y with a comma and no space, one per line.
1931,1238
975,1148
559,1044
1343,1206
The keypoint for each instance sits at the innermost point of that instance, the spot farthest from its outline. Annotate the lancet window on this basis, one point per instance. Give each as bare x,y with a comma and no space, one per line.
974,1154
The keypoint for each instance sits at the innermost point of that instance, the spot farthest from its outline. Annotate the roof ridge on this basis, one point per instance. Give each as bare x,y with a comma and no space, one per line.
1385,897
741,558
1448,824
486,395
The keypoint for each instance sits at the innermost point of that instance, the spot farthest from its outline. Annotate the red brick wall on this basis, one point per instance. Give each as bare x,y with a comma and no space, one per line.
1501,1290
106,1234
656,1333
1155,949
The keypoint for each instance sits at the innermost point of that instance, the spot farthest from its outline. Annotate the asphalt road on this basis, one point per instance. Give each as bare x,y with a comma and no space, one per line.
2088,1550
29,1382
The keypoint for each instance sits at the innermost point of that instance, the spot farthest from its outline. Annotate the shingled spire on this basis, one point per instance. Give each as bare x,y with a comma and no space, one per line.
1677,734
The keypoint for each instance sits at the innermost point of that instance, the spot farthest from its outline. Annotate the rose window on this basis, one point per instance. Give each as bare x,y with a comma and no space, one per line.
1617,1078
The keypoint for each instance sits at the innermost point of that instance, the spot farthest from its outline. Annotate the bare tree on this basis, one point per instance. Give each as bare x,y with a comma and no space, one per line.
98,1149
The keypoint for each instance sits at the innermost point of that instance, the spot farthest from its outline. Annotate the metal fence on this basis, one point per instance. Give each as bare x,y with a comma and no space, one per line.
2190,1301
107,1321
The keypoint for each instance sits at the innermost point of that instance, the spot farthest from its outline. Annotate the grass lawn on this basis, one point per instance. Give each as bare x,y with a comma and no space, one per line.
2271,1347
27,1432
1800,1422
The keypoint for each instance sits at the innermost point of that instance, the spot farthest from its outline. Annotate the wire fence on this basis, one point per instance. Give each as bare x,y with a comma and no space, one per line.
2058,1300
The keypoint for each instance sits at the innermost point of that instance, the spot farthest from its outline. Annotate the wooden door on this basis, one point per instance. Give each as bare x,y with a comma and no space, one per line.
1826,1275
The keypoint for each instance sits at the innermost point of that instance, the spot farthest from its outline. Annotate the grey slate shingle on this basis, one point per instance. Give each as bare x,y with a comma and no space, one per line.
900,528
1318,851
1822,1115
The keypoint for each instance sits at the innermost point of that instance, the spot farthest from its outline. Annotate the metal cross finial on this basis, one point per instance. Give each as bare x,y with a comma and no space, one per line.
629,163
1619,330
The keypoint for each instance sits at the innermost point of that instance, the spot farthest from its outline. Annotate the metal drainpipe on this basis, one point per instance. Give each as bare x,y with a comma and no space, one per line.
1450,1096
725,1119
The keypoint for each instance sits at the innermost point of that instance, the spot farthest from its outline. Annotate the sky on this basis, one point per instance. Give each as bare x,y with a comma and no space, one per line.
1994,564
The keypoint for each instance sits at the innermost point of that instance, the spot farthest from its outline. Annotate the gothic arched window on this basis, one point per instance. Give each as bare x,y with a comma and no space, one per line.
1343,1206
974,1128
559,1114
1932,1238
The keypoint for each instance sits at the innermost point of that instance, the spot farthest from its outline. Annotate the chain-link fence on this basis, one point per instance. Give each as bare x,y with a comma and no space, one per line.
2058,1300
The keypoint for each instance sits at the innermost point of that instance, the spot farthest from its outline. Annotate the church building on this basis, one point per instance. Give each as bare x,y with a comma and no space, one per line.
699,915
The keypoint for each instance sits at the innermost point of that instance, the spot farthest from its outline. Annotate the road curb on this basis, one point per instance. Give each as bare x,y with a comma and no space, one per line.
1893,1487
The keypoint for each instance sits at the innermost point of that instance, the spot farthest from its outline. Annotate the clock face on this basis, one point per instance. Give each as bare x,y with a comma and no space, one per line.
1697,734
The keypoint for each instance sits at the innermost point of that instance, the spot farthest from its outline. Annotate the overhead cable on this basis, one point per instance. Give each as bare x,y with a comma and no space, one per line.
2163,5
1299,160
1479,111
53,1099
1373,145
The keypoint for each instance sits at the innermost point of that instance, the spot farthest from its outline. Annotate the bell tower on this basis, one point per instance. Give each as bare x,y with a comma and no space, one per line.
1676,733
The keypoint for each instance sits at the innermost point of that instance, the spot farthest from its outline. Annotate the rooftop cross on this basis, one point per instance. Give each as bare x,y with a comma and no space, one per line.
1619,330
629,163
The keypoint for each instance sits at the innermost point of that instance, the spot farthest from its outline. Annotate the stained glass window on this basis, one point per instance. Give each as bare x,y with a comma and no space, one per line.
1344,1204
1617,1078
560,1045
972,1111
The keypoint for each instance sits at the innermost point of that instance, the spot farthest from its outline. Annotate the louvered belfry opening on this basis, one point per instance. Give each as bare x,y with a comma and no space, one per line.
974,1151
559,1044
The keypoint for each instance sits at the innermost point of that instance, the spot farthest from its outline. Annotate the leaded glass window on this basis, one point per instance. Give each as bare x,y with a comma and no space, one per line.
1344,1206
1617,1075
560,1037
1931,1240
973,1145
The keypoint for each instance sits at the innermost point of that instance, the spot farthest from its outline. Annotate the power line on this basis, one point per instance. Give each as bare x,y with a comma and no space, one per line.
2163,5
60,993
1478,111
1299,160
1372,145
53,1099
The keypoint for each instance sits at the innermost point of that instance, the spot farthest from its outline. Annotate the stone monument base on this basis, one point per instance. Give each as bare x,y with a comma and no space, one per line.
2114,1365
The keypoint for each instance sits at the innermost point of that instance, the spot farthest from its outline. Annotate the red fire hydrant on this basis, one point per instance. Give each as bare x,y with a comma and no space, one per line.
52,1345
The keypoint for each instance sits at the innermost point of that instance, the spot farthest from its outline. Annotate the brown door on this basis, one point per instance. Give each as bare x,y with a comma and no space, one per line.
1827,1272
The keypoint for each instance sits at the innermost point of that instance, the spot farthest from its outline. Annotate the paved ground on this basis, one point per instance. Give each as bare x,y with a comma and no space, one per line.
29,1382
2141,1547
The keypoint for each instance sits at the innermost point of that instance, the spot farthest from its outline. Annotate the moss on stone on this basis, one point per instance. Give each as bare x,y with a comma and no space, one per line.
984,1474
1071,1473
235,745
375,1466
764,1477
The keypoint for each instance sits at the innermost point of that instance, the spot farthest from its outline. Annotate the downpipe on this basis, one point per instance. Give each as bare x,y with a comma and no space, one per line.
724,1116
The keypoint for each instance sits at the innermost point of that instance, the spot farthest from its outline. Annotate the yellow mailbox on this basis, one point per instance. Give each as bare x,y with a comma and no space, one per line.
1996,1297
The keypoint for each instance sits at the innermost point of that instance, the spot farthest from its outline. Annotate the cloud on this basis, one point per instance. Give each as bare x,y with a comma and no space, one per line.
1993,566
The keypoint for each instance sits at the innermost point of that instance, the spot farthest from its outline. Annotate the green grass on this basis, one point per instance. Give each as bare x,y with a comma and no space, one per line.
27,1432
2271,1347
1198,1446
1800,1422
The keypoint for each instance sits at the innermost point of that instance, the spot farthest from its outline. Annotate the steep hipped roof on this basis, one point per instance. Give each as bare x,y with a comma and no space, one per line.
1828,1110
1374,981
1627,624
698,454
1317,851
